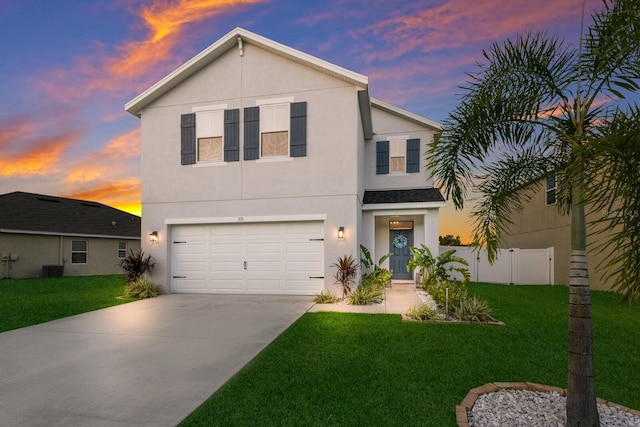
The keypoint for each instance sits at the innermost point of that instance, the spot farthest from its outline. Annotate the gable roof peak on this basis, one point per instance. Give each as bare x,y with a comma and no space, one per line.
237,37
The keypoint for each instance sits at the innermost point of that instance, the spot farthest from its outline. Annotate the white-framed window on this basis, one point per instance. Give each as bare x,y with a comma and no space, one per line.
551,188
274,130
79,251
122,250
397,156
210,136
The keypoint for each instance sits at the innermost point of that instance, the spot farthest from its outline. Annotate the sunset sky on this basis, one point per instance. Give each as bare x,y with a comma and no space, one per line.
68,67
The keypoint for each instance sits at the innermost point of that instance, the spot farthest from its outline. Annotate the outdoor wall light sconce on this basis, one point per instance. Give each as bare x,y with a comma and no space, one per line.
153,237
340,232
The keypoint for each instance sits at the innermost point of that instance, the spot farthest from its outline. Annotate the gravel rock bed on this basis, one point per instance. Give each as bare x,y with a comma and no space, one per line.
515,408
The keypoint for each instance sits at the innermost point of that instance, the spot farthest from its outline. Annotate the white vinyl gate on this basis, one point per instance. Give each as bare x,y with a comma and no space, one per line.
513,266
255,258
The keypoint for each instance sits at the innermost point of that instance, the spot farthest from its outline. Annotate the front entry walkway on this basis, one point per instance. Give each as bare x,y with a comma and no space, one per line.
146,363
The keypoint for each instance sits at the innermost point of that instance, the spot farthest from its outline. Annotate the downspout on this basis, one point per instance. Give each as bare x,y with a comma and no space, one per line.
60,250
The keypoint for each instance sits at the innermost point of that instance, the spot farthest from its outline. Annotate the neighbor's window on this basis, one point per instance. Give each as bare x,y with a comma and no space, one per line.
274,130
79,251
122,249
397,153
551,190
209,134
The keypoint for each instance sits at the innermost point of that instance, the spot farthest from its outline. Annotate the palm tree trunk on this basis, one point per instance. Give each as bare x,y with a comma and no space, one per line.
581,391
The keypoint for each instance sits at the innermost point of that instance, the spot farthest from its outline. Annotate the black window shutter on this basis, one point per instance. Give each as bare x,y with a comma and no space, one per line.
251,133
298,135
231,135
188,139
413,155
382,157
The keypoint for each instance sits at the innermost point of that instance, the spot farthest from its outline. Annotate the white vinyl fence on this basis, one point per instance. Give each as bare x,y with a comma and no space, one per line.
513,266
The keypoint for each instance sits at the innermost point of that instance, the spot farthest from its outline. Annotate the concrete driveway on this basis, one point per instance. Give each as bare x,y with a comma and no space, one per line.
150,362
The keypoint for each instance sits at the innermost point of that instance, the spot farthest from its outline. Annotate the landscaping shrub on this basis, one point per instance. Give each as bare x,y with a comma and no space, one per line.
438,291
364,295
141,288
473,309
424,312
346,269
136,264
326,297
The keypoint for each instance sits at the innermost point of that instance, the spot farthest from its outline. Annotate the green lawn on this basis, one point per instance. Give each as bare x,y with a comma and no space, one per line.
25,302
358,369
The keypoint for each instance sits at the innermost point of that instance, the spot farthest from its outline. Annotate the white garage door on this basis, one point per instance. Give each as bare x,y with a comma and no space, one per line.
261,258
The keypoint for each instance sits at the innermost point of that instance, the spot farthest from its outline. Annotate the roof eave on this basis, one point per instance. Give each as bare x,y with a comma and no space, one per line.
405,114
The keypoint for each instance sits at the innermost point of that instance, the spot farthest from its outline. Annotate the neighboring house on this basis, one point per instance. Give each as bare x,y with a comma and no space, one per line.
540,225
261,165
50,236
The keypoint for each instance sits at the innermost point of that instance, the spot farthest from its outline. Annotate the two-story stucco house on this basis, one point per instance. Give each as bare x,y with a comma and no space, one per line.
261,165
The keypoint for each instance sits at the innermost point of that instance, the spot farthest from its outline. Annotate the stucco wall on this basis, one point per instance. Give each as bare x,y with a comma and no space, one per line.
34,251
386,125
325,182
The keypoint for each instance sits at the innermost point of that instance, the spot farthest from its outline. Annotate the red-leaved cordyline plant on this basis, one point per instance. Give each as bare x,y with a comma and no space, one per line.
347,268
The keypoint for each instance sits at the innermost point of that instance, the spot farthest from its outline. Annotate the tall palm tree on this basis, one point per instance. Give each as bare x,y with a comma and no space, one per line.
536,107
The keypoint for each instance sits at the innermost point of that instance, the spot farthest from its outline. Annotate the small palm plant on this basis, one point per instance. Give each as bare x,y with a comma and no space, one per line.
347,268
433,269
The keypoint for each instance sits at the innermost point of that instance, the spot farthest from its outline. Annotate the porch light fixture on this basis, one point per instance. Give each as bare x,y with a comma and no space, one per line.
153,237
340,232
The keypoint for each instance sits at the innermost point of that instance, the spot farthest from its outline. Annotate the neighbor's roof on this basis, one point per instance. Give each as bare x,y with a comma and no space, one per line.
39,214
229,41
412,195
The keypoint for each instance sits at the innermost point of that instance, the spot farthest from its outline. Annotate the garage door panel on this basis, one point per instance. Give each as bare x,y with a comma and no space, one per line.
314,248
190,285
304,228
190,231
259,284
227,285
226,248
191,266
190,249
261,258
264,230
265,266
229,230
264,248
304,266
226,266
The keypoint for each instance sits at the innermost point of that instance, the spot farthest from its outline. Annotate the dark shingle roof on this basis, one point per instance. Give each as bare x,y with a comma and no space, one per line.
47,214
412,195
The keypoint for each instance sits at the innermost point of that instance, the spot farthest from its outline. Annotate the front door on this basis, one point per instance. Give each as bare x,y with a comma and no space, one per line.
399,243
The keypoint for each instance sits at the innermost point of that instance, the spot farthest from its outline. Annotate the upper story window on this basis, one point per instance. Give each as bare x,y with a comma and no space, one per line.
274,130
79,250
398,155
210,136
551,190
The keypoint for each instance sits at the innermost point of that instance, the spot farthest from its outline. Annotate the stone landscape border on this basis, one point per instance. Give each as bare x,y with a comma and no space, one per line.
467,403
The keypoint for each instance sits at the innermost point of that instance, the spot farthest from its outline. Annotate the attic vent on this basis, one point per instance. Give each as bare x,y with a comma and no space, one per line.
48,199
91,204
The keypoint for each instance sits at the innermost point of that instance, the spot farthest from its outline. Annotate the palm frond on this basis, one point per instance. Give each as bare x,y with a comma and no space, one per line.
508,185
614,193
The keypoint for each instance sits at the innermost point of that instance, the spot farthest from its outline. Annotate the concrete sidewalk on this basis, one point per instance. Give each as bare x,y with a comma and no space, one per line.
146,363
398,298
